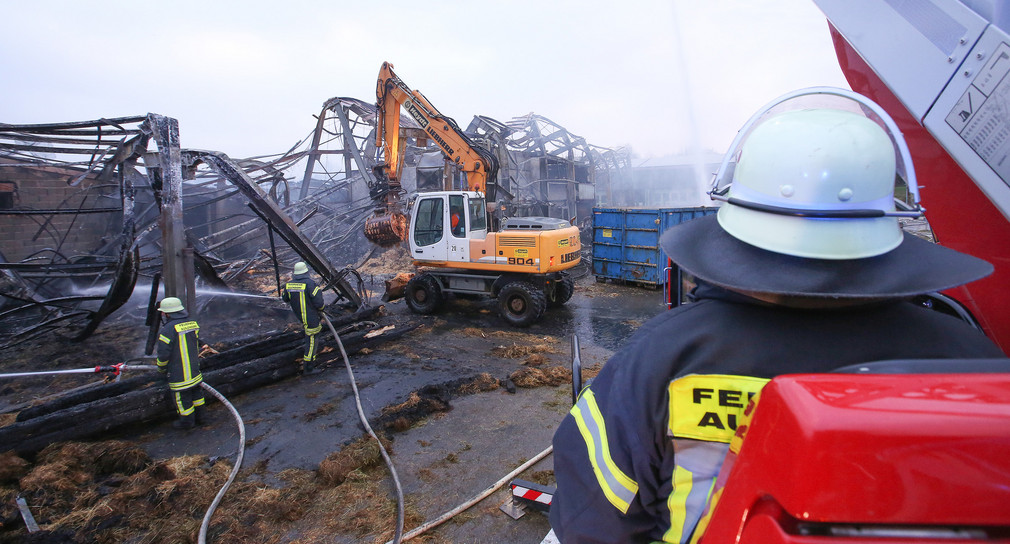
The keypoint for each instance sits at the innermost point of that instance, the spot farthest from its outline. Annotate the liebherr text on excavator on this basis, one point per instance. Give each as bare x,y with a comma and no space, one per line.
451,239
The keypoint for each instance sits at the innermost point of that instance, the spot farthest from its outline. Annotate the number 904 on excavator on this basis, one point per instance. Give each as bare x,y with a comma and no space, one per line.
455,249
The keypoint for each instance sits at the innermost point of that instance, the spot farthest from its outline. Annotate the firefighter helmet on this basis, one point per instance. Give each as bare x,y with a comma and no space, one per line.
301,268
808,209
170,305
816,180
814,161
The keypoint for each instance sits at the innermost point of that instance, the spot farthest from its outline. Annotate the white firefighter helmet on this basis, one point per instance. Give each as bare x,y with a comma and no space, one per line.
301,268
814,181
808,211
170,304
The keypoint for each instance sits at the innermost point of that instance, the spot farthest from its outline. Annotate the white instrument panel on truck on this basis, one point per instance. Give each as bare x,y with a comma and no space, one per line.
948,62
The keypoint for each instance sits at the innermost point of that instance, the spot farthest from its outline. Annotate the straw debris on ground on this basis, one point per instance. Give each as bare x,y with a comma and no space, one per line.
432,400
516,351
530,377
113,492
391,261
362,453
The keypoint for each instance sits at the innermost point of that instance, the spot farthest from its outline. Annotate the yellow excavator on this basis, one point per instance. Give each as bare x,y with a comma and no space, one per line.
521,264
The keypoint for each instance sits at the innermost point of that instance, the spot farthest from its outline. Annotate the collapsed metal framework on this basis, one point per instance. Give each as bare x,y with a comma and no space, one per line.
83,199
550,171
91,209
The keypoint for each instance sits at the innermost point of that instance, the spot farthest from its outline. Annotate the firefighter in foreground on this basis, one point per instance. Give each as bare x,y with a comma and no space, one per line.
306,300
804,269
178,356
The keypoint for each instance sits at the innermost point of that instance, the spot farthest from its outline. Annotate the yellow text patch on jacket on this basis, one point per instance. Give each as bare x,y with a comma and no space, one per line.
710,406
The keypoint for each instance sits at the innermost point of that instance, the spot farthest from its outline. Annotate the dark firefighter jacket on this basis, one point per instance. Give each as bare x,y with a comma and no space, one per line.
629,472
178,351
305,298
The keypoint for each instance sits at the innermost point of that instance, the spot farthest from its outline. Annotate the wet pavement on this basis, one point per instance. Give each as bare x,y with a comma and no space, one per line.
447,457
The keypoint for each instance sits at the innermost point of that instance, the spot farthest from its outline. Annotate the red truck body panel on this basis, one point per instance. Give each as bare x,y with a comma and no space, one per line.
961,215
901,450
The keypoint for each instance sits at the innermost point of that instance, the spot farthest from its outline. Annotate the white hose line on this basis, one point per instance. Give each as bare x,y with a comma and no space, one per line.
483,495
238,460
218,396
91,370
364,421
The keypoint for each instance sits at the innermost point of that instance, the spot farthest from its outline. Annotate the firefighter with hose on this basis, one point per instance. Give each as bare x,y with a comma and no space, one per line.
306,300
178,356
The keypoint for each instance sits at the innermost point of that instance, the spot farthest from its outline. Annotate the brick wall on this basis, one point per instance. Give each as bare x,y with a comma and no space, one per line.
42,188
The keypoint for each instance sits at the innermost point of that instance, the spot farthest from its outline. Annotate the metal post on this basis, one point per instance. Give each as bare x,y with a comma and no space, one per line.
189,277
165,131
312,156
273,254
153,315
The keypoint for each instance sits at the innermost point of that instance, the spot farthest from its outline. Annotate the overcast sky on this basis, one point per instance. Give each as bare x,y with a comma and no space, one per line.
246,78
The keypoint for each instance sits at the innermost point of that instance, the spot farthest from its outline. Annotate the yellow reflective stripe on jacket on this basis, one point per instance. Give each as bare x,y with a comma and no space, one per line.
177,386
710,406
683,481
699,530
619,489
187,369
164,339
300,289
686,502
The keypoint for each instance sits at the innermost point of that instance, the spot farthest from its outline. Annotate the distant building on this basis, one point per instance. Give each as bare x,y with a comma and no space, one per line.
667,182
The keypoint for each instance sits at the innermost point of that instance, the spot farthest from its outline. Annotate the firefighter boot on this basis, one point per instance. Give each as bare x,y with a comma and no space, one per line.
309,368
185,422
200,415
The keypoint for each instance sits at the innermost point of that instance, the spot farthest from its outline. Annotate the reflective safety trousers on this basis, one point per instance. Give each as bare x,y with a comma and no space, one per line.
636,458
178,351
306,300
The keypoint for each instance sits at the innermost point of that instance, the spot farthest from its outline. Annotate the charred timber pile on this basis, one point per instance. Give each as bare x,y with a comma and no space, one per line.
145,397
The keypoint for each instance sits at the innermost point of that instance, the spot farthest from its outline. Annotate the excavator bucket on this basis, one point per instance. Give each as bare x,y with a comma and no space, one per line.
386,229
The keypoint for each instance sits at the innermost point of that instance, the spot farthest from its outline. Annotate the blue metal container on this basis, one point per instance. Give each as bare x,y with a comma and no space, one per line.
626,242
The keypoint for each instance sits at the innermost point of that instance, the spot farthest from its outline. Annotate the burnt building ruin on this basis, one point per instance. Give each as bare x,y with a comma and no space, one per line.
92,210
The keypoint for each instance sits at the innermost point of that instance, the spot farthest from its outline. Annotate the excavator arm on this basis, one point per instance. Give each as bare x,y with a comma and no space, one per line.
388,226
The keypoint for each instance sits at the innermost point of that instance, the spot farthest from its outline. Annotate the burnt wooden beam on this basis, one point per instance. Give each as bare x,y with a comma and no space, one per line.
265,347
151,400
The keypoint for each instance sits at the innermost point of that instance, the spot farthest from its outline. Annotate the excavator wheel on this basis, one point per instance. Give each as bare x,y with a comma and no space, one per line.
563,290
423,294
386,229
521,303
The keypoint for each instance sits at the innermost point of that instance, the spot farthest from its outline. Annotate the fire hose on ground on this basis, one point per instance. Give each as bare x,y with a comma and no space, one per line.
577,386
116,370
364,421
398,534
477,498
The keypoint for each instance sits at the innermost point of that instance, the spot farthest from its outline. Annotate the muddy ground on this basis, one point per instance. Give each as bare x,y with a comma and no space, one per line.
439,396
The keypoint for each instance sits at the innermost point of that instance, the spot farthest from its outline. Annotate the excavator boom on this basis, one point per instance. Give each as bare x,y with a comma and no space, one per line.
388,226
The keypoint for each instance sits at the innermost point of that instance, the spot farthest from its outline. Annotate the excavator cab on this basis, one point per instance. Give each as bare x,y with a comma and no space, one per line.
444,222
906,451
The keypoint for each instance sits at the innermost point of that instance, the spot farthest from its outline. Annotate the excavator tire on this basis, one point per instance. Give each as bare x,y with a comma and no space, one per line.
563,290
521,303
423,294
